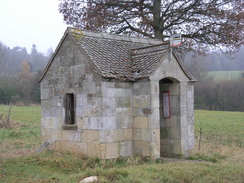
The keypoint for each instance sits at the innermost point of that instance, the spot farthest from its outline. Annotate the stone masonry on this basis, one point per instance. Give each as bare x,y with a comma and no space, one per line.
118,105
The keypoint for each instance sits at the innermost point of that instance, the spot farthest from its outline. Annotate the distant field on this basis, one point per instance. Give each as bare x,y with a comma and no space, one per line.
226,75
221,127
220,158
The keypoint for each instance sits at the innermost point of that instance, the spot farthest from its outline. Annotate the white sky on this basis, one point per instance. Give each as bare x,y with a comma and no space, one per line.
27,22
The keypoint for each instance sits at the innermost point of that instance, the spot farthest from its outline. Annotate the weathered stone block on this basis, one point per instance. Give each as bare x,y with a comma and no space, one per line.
112,150
56,134
154,86
51,123
118,92
109,123
106,136
92,150
101,151
155,102
125,121
142,148
140,101
137,111
118,135
91,87
165,141
177,147
95,123
82,122
146,134
173,122
126,148
81,100
140,122
183,88
154,119
137,134
190,130
164,133
128,134
57,101
46,108
71,135
58,112
155,134
79,69
109,106
73,147
124,111
123,102
90,136
142,134
93,101
45,95
126,85
191,142
155,149
175,133
183,133
46,134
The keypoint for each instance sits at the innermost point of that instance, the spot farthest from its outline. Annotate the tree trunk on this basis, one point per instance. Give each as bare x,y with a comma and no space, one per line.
156,19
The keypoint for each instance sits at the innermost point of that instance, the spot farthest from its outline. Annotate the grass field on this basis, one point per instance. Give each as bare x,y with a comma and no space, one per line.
220,158
226,75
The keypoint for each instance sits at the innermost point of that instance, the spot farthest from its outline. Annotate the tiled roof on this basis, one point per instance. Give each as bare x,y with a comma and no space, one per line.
120,57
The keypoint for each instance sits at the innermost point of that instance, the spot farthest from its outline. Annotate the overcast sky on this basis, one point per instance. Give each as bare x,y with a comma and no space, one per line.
27,22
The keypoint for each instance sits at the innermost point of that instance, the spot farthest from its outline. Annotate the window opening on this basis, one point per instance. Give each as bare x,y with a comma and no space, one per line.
70,108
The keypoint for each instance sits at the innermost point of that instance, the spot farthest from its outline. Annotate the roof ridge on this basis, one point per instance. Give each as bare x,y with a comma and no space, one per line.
150,49
76,31
148,53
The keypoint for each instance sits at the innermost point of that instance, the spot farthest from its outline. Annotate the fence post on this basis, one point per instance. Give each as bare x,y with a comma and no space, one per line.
200,139
9,113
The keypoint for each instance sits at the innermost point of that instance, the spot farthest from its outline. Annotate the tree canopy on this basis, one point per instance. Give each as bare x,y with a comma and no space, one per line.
208,23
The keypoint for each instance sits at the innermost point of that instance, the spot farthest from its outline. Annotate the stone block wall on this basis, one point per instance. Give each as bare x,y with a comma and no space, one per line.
141,112
104,116
113,117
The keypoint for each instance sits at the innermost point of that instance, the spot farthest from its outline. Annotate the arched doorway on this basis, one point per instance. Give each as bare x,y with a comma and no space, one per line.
170,129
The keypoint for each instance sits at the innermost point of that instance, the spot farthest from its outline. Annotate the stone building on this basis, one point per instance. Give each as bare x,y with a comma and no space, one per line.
107,96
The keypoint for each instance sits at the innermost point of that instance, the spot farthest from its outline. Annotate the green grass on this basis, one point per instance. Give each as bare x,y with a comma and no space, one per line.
25,131
220,159
226,75
226,128
58,167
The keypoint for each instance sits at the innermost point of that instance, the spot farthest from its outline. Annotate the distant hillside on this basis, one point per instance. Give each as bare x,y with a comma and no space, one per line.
226,75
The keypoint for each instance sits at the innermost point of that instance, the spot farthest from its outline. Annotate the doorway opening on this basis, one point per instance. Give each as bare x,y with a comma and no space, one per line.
170,129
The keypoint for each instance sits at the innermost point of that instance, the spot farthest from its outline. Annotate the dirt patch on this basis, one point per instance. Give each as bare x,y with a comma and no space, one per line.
15,148
18,153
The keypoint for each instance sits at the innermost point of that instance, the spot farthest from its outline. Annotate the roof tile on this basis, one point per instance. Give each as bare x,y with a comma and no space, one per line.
119,56
122,57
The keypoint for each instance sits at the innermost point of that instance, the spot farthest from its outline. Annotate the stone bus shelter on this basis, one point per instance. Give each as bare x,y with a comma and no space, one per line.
107,96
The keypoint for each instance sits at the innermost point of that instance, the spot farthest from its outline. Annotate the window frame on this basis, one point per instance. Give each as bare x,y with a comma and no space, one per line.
70,109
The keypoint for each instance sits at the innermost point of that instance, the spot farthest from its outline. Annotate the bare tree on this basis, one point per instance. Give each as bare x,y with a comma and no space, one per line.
208,23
